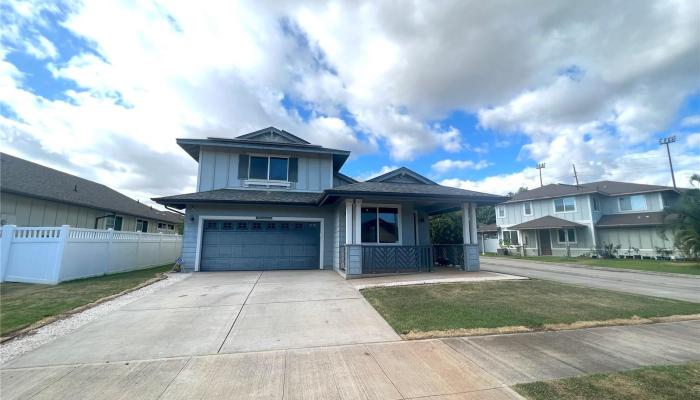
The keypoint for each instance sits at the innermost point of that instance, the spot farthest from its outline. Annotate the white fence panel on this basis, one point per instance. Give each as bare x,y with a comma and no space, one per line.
488,245
51,255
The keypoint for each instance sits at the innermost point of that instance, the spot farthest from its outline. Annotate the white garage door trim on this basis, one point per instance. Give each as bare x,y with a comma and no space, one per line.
200,227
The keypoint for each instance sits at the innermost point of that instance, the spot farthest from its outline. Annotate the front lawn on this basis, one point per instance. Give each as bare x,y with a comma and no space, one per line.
528,303
677,382
22,304
676,267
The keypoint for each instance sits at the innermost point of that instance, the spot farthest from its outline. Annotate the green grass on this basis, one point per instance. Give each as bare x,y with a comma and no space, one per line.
677,267
22,304
677,382
531,303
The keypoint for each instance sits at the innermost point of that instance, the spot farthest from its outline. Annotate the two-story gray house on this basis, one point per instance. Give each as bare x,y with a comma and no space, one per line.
271,200
560,219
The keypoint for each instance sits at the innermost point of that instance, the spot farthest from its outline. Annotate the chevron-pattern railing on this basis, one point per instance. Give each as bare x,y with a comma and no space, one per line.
394,259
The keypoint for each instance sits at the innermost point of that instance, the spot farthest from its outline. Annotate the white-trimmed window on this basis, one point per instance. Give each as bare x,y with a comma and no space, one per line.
380,225
142,225
637,202
501,210
566,235
114,222
565,204
595,203
527,208
511,237
268,168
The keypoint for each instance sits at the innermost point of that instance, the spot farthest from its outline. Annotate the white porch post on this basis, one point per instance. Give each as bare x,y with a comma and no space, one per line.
466,224
472,223
358,221
348,222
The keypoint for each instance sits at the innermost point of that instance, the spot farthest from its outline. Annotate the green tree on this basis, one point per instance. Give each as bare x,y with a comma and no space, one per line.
684,220
520,190
486,215
446,228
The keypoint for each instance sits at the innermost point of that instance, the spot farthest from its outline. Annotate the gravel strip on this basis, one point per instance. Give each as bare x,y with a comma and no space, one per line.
18,346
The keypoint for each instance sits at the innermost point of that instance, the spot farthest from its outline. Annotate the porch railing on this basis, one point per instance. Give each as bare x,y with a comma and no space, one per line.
393,259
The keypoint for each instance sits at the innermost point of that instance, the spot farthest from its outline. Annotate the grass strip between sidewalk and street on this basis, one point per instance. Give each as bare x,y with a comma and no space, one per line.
460,309
23,304
678,382
675,267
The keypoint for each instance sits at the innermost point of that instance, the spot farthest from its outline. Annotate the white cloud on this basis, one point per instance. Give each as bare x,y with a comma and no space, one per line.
443,166
690,121
373,174
693,140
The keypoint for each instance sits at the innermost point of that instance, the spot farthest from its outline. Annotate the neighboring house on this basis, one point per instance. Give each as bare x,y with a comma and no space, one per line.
561,219
271,200
488,238
34,195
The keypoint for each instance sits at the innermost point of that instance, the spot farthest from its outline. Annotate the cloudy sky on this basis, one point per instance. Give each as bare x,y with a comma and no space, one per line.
469,93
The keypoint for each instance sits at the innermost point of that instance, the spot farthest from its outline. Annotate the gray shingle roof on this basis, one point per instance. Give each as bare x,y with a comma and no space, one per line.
34,180
412,189
242,196
546,222
631,219
609,188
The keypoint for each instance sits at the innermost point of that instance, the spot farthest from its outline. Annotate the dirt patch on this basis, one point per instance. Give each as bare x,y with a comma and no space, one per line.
417,335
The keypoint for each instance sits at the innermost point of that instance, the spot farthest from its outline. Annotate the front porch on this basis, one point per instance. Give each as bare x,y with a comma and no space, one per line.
363,251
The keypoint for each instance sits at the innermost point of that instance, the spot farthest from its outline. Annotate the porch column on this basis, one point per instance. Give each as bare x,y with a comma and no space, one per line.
472,221
349,235
466,224
358,221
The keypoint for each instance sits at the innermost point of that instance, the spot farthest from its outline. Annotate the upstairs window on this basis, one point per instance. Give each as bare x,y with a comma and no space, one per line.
527,208
501,211
269,168
637,202
380,225
566,204
596,203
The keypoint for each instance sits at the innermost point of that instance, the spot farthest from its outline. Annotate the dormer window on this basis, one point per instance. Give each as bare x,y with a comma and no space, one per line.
269,168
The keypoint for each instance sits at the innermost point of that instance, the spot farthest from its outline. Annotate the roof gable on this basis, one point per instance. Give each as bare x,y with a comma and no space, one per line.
402,175
607,188
273,135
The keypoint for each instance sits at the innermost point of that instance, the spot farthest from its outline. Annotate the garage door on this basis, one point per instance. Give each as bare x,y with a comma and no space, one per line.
259,245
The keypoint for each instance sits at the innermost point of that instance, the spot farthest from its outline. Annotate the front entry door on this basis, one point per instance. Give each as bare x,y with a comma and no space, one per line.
545,243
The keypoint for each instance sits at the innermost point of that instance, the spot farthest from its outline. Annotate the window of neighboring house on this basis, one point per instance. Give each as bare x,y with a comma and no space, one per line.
566,204
501,211
269,168
511,236
163,225
637,202
380,225
142,225
596,203
171,227
114,222
527,208
567,235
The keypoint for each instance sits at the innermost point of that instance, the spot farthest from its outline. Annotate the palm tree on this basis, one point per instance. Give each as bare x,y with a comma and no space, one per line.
686,220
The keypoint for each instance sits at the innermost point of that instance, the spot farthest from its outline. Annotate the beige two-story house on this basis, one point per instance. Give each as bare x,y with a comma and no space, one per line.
561,219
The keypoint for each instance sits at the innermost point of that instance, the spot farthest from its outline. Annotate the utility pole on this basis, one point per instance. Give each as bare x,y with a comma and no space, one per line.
540,166
575,175
667,141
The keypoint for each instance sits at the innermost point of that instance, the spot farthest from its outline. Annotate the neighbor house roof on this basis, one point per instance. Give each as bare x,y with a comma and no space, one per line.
546,222
402,175
29,179
268,139
631,219
487,228
608,188
242,196
412,190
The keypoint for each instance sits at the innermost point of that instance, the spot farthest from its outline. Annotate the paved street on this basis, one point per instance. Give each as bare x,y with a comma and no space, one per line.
309,335
659,285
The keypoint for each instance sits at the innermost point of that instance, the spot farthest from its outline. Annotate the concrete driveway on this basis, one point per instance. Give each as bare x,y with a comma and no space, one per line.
224,312
672,286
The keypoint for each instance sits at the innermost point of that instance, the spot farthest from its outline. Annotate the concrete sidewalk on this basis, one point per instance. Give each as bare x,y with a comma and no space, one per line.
672,286
478,368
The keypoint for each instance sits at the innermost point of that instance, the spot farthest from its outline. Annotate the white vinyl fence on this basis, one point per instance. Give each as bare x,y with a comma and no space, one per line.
56,254
488,245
